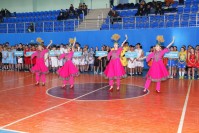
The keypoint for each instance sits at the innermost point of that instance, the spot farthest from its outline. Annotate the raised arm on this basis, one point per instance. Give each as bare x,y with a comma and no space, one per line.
49,44
74,42
124,40
171,42
149,56
33,55
62,56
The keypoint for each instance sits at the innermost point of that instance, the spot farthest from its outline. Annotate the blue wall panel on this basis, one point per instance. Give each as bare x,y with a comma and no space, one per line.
147,37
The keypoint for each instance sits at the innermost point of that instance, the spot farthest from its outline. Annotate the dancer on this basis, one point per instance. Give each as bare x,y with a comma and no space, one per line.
114,69
157,72
40,69
68,70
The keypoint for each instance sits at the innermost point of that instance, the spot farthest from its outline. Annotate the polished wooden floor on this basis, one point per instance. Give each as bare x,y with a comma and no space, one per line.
27,108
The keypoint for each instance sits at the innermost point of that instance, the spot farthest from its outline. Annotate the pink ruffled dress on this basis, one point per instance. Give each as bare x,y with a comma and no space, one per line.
114,70
157,72
68,69
40,66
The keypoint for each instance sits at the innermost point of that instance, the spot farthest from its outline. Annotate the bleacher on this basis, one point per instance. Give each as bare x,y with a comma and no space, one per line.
186,16
44,21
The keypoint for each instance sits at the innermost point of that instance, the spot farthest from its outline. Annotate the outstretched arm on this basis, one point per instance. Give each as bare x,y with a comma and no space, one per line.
74,42
49,44
171,42
124,40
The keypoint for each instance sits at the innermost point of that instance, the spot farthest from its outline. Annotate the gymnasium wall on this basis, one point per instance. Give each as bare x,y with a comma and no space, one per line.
147,37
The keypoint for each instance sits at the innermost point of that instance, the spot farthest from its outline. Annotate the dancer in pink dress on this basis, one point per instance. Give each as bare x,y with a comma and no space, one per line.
68,70
157,72
115,70
40,69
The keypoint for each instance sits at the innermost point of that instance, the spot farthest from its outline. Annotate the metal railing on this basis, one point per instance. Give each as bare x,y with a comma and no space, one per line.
139,22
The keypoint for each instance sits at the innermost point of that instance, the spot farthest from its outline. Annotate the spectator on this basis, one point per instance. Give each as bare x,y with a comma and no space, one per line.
61,15
148,9
71,10
159,9
114,17
140,11
1,17
169,2
111,3
31,27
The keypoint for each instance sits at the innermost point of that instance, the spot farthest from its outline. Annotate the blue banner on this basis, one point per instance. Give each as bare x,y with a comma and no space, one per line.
172,55
54,53
131,54
29,53
147,53
18,53
101,53
77,54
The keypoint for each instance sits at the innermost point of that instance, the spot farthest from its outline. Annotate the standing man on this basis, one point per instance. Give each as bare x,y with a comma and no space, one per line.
111,3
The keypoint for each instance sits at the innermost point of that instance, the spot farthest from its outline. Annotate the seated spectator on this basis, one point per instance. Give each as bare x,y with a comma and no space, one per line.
159,9
114,17
61,15
169,2
71,10
7,13
31,27
1,17
141,11
148,9
66,14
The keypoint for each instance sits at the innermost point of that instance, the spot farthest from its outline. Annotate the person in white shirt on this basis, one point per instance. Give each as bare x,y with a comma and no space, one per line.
140,55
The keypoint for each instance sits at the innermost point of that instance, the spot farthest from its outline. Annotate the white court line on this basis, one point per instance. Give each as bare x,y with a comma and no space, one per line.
141,87
15,131
184,109
50,108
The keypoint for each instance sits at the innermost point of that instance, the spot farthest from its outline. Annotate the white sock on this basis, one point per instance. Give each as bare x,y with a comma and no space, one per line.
183,74
180,74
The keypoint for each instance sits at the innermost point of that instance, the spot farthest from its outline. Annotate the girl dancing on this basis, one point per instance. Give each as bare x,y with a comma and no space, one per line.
114,69
68,70
40,69
157,72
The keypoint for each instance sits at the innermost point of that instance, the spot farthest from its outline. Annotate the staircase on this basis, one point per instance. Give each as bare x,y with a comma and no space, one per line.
94,19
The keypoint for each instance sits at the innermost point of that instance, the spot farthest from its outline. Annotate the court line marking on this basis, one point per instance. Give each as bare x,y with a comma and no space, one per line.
48,109
15,131
141,87
184,109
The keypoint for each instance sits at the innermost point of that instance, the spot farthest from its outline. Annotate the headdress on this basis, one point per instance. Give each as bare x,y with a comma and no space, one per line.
115,37
40,41
160,40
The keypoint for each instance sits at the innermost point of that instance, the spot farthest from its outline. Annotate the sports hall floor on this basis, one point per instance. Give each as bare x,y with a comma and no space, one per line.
90,108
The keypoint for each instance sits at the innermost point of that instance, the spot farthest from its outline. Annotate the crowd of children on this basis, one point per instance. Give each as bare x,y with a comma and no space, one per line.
186,65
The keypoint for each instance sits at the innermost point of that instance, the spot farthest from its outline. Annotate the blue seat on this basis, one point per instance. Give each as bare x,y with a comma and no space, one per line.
194,9
176,24
169,24
193,23
180,10
187,9
184,24
154,25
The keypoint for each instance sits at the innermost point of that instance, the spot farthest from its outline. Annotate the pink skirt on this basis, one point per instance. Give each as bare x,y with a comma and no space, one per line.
67,71
115,70
157,72
40,68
